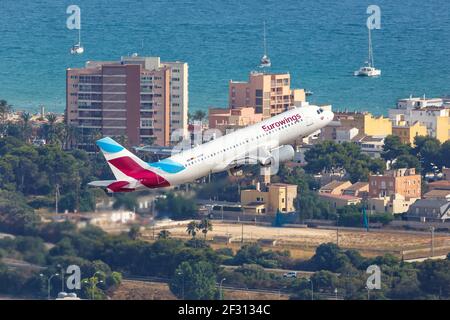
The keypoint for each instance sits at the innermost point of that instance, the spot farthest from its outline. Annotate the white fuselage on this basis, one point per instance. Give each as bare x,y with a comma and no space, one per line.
221,153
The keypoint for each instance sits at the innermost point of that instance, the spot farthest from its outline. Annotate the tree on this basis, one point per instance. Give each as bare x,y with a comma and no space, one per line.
407,161
310,206
164,234
127,201
194,281
205,225
427,149
192,228
394,148
199,115
16,216
434,277
444,154
330,156
26,133
329,257
176,207
134,233
5,110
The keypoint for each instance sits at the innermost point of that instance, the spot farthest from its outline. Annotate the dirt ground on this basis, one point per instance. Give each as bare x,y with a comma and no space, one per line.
139,290
303,241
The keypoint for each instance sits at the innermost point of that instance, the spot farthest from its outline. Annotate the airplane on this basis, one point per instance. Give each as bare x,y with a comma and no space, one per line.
264,143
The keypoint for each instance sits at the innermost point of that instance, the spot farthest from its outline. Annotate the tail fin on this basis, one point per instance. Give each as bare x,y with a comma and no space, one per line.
121,161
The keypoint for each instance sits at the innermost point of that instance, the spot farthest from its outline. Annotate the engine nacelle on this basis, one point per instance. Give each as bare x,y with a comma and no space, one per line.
280,154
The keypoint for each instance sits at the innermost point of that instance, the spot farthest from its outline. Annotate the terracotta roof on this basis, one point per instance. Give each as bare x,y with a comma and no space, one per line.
440,183
338,196
437,193
357,186
333,185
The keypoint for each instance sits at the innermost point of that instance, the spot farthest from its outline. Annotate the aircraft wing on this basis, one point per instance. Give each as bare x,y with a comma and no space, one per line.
263,156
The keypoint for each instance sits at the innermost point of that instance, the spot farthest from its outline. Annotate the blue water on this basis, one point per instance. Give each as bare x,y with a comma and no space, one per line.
320,43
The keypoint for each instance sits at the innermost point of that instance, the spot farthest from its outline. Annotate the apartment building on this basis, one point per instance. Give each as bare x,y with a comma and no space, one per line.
139,98
404,182
408,132
434,114
269,94
348,125
276,197
231,119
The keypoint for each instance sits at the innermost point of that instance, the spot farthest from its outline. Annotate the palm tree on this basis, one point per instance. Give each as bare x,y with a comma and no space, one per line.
51,118
26,117
164,234
71,136
199,115
205,226
192,228
49,133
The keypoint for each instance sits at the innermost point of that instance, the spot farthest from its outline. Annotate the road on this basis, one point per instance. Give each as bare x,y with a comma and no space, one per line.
320,295
430,258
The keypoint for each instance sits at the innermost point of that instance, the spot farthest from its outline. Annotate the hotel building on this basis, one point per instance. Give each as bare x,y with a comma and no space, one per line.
140,98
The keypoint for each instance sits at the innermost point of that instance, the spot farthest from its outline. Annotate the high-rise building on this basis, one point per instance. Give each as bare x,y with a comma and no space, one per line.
269,94
140,98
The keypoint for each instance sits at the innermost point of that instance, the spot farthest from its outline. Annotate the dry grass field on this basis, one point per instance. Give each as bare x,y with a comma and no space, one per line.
139,290
303,241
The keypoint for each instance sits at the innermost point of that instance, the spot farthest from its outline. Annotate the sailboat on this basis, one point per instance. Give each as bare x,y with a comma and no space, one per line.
265,60
77,48
369,69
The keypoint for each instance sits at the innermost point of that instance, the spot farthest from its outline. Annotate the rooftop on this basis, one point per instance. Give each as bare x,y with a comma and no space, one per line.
437,193
440,183
430,203
333,185
358,185
338,196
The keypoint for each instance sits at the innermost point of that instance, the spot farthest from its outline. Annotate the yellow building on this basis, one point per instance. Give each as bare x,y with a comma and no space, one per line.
279,196
395,204
442,128
377,126
365,122
407,133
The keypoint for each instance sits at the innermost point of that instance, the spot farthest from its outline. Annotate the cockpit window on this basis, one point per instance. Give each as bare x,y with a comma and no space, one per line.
319,111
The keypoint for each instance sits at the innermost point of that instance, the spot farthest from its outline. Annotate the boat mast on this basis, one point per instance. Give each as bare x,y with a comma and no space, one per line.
370,49
265,47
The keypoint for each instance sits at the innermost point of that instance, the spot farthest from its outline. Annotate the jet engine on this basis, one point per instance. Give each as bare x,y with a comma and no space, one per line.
280,154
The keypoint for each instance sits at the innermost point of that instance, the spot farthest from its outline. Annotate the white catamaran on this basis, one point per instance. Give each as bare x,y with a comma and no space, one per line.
77,48
369,69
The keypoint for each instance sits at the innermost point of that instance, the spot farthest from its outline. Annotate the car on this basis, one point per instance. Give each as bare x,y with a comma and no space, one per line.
290,274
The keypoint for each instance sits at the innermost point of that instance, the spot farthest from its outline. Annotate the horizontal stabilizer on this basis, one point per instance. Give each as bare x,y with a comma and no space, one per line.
101,183
114,185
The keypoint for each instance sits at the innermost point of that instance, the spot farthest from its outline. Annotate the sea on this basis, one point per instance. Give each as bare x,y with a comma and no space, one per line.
319,42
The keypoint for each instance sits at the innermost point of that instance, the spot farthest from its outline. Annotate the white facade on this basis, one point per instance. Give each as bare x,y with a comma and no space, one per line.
346,135
179,96
422,110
